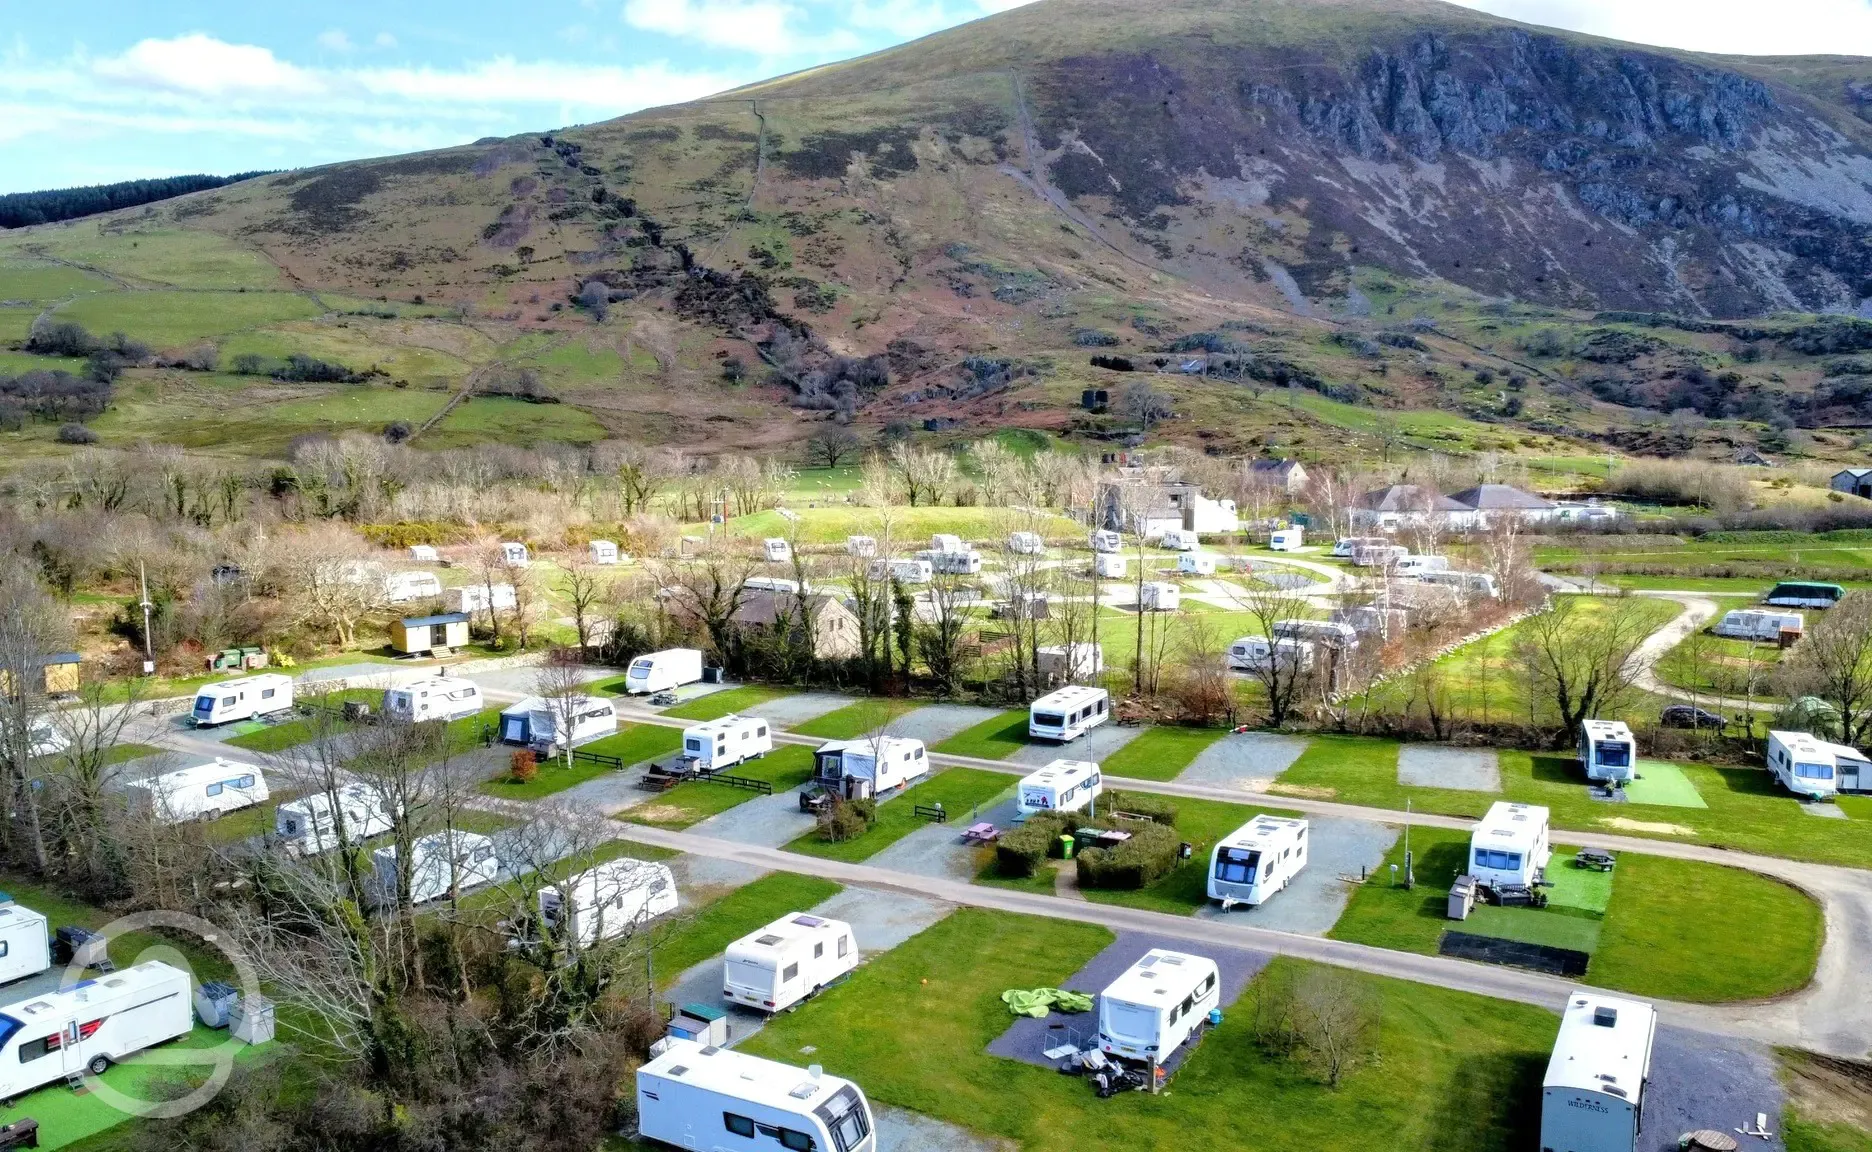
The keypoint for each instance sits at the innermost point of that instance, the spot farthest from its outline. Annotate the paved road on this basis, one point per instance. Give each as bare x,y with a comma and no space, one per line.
1698,611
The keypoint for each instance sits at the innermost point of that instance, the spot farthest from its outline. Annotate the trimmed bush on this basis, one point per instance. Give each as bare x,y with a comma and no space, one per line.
522,765
1148,856
1159,809
1018,853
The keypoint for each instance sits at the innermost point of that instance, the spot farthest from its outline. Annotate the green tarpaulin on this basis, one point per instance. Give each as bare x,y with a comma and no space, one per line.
1036,1002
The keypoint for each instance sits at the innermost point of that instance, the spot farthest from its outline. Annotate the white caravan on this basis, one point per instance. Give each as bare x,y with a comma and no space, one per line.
479,598
1159,596
1180,540
1026,543
773,584
777,550
44,737
917,571
93,1024
1258,653
1197,563
1332,633
1062,786
1379,556
1068,714
307,826
947,542
691,1096
773,968
1815,769
1593,1095
25,947
1104,540
437,861
1071,661
1257,860
607,901
199,792
1149,1011
661,671
966,562
1286,540
1607,750
535,722
404,587
1346,547
425,554
443,698
1468,583
869,766
1418,565
242,699
1108,565
725,742
514,554
1510,845
603,551
861,546
1759,624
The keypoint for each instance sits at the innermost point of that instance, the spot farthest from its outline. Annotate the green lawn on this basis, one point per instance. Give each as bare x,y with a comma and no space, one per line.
1661,782
632,744
121,753
995,738
279,737
719,704
1450,1071
1160,753
958,790
1186,887
910,526
689,803
855,720
685,941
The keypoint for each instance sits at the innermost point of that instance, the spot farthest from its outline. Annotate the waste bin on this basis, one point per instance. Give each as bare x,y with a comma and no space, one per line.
1462,896
1066,847
214,1001
251,1019
711,675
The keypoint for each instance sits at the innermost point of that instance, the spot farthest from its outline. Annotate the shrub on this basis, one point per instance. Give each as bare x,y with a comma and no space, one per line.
1018,853
1148,856
1159,809
76,434
847,819
404,533
522,765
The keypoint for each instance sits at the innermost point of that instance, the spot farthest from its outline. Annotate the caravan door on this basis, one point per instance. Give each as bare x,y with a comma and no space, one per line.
514,729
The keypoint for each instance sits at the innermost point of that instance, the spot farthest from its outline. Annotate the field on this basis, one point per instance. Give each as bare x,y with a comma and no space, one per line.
993,739
910,527
1160,752
718,704
855,720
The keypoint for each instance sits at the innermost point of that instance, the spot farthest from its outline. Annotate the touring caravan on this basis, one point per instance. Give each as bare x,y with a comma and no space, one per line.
725,742
773,968
243,699
1468,583
1149,1011
695,1096
607,901
1593,1095
661,671
1803,594
425,554
25,945
514,554
1286,539
965,562
947,542
1197,563
1105,540
777,550
1108,565
773,584
1026,543
403,587
918,571
1348,547
603,551
1159,596
1076,661
1068,714
443,698
1379,556
1509,846
535,722
1062,786
1417,565
92,1025
864,547
307,826
200,791
1759,624
479,598
1258,653
1607,750
869,766
1815,769
1332,633
1257,860
438,861
1180,540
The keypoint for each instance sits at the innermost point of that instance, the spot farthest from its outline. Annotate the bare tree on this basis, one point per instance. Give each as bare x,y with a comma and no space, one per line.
1286,676
1834,662
710,587
924,473
1580,651
325,576
77,785
31,629
1338,1019
584,586
942,621
641,473
1145,403
560,684
831,446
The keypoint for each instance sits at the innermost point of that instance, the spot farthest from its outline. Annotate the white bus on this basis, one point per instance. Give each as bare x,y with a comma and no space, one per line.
692,1096
91,1025
1257,860
243,699
1816,769
200,791
1593,1095
725,742
308,827
1509,846
437,861
773,968
1149,1011
25,946
661,671
1069,713
1062,786
442,698
869,766
607,901
1607,750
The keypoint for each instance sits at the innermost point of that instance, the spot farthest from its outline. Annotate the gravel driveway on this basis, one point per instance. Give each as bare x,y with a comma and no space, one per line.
1249,761
1437,766
1704,1081
766,821
1313,902
899,1130
1095,746
790,711
934,723
937,849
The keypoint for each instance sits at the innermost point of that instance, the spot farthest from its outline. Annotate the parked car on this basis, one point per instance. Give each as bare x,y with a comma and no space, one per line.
1690,716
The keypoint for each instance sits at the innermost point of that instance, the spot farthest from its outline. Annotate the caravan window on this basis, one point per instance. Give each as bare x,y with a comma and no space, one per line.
1207,984
1499,860
227,701
841,946
761,731
267,694
1813,771
1615,755
36,1049
791,973
244,782
818,949
739,1125
1050,720
214,789
1237,865
799,1141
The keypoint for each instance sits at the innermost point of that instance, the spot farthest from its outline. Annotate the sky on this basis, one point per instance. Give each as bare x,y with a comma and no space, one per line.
117,89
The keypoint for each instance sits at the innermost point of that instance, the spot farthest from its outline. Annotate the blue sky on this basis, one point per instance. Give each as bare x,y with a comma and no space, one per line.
108,90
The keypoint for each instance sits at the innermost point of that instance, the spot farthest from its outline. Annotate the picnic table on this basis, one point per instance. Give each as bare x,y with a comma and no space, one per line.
982,833
1594,859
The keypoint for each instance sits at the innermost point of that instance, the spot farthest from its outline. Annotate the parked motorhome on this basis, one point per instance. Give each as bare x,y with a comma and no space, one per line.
1816,769
1105,540
1197,563
1593,1095
1510,845
607,901
777,550
1026,543
1759,624
1159,596
1336,634
1257,653
1068,714
1180,540
1108,565
243,699
773,968
1803,594
438,862
917,571
1257,860
603,551
535,722
1153,1008
704,1096
1061,786
1416,565
869,766
1286,540
309,826
443,698
661,671
403,587
965,562
200,791
1468,583
861,546
1346,547
425,554
25,943
947,542
479,598
1607,750
95,1023
1077,661
514,554
726,741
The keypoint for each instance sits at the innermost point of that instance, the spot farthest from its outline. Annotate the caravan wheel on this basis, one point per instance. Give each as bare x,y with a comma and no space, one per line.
99,1065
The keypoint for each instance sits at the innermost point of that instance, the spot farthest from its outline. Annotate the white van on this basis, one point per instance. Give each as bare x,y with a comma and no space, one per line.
1286,540
63,1034
864,547
242,699
607,901
1816,769
1105,540
1759,624
1148,1012
773,968
1258,653
307,826
1026,544
1062,786
534,722
725,742
1257,860
1159,596
1180,540
1108,565
443,698
199,792
661,671
1197,563
1510,845
777,550
403,587
695,1096
1607,750
25,945
1068,714
869,766
441,859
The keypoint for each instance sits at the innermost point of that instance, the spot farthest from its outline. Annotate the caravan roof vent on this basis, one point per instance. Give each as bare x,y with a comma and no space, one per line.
679,1069
769,940
1177,960
1605,1017
808,921
804,1090
710,1050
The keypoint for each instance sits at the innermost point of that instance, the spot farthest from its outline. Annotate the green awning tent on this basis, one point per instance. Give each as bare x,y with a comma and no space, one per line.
1037,1002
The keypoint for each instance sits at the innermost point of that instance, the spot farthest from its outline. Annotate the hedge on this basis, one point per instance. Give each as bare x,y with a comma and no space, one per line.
1018,853
1148,856
1160,809
405,533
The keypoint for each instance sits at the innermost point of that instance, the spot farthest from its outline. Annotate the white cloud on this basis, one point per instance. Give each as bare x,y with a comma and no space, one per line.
758,26
1742,27
384,40
204,66
336,40
508,81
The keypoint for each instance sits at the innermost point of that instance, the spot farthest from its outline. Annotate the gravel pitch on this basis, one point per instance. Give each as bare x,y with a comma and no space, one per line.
1249,761
765,821
1824,811
1313,902
902,1131
934,723
788,711
1026,1038
937,850
1095,746
1435,766
610,793
525,681
705,873
1704,1081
